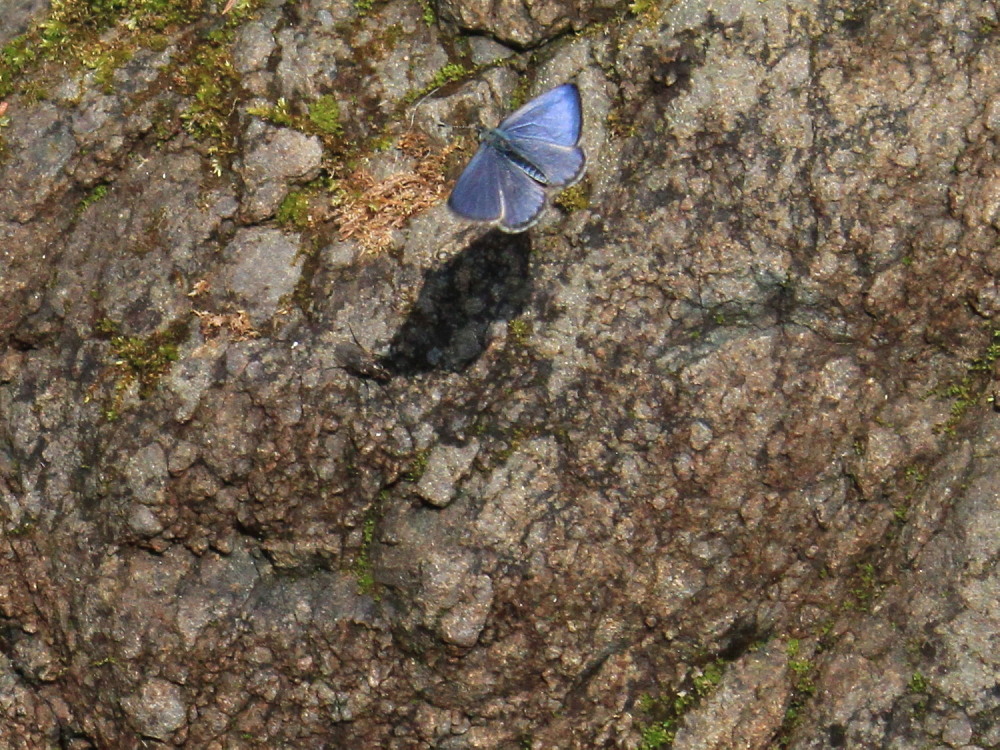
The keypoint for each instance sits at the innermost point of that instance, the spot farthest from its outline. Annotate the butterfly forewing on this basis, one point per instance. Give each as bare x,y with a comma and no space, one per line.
555,116
476,195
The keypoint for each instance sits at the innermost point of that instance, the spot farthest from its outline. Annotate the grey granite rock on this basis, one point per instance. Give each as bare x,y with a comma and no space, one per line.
263,267
275,156
446,465
158,710
705,459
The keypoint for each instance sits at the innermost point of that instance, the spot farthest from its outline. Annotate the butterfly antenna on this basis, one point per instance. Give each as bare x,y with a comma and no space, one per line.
417,103
369,368
351,329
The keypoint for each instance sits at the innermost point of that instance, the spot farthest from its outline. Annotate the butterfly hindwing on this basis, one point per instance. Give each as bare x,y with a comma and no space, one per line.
560,165
523,198
493,189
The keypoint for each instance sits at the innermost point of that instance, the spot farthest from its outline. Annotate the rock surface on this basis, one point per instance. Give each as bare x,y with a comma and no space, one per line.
290,457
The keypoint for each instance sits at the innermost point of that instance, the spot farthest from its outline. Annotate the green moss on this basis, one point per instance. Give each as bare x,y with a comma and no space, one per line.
649,10
519,331
710,677
391,36
293,213
427,12
802,678
276,114
915,475
918,683
324,114
363,573
968,391
15,57
575,198
866,591
96,193
803,669
104,60
381,142
447,74
4,148
73,33
515,439
102,35
138,359
211,81
660,734
106,327
520,93
856,15
25,528
668,711
146,359
620,126
417,467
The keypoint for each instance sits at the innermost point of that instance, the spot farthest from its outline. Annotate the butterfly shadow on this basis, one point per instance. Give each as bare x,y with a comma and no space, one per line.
448,326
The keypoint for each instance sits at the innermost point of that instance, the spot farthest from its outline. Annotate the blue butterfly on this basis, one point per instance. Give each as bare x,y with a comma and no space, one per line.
532,149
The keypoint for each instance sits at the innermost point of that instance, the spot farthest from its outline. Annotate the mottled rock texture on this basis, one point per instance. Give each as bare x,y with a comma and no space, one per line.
292,458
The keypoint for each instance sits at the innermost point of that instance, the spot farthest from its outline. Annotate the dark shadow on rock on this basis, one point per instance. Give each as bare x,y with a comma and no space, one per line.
448,325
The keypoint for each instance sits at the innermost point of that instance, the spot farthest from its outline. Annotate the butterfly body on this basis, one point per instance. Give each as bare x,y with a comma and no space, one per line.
497,139
533,149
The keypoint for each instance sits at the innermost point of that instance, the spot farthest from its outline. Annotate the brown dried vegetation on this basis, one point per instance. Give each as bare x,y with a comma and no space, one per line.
371,209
